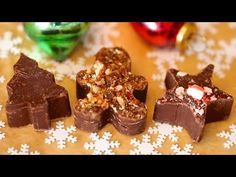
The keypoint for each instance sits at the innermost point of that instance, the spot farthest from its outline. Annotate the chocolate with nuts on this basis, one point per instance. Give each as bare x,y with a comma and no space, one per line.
191,101
110,93
34,97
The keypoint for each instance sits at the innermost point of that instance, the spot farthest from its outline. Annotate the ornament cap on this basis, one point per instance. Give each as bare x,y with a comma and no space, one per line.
184,34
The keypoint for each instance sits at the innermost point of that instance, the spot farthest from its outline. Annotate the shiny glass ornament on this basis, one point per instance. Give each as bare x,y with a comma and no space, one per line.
165,33
57,39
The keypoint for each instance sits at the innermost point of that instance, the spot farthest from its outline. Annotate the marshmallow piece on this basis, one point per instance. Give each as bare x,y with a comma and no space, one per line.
196,92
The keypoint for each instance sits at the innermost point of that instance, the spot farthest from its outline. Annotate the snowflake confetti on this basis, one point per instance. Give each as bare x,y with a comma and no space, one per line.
99,35
67,68
230,136
205,28
164,59
232,25
20,28
36,53
61,135
187,149
102,145
2,79
2,125
9,45
165,131
24,150
144,147
222,57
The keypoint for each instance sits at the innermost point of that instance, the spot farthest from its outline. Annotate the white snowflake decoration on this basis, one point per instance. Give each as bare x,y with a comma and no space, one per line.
102,145
144,147
232,25
2,125
24,150
98,36
222,57
207,27
67,68
164,59
187,150
20,28
165,131
36,53
61,135
8,45
2,79
230,136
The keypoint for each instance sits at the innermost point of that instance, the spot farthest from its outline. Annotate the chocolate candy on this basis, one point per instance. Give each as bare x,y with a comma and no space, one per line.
191,101
34,97
109,92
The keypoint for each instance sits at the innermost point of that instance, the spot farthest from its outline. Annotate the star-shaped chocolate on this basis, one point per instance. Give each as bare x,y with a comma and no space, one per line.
34,97
191,101
109,92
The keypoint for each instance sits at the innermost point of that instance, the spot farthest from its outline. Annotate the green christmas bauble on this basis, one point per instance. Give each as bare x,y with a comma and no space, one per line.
57,39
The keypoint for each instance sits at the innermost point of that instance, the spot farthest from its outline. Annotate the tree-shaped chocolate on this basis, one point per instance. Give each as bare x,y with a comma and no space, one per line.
34,97
109,92
191,101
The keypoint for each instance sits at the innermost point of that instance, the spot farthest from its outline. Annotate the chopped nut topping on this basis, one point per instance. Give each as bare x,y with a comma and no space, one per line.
118,51
121,102
89,85
96,89
97,67
108,71
99,101
94,76
100,82
114,108
89,96
118,88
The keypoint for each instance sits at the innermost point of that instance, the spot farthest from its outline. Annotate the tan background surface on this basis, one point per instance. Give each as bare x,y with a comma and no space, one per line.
141,65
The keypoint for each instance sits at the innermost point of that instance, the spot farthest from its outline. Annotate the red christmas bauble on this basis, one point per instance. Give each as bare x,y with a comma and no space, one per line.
158,33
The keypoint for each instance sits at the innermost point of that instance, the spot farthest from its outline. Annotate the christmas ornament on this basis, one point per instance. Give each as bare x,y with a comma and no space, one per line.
57,39
167,33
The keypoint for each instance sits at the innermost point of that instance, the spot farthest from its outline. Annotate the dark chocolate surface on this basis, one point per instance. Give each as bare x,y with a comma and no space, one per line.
34,97
109,92
191,101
